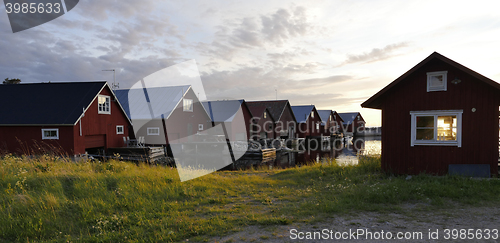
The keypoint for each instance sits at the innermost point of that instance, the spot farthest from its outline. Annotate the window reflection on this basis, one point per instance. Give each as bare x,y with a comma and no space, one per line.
447,128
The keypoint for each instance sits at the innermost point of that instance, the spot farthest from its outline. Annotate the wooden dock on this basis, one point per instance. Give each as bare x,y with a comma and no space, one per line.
145,154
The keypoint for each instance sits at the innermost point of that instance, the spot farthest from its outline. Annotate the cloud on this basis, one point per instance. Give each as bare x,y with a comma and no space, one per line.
376,54
248,33
283,25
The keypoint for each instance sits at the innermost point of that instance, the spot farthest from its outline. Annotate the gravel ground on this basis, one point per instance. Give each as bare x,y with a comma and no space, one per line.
412,218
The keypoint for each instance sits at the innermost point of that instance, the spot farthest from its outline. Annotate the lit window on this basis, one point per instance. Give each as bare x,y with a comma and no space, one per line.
119,129
436,81
265,114
104,104
312,114
436,128
153,131
187,105
50,133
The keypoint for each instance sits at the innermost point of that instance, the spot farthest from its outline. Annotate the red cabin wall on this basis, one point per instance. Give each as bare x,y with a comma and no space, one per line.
101,124
479,129
286,122
27,140
332,126
262,124
181,124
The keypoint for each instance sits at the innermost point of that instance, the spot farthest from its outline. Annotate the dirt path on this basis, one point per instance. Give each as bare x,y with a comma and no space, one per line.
411,222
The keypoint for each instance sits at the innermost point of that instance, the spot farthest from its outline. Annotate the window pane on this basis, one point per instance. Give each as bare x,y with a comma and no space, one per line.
188,105
436,81
425,121
447,128
425,134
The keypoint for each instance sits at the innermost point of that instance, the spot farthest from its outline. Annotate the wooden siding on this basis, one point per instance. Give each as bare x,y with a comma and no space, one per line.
286,123
101,124
479,128
182,124
28,140
263,125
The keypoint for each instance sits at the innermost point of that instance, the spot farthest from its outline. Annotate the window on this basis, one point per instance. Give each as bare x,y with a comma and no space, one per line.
436,128
265,114
436,81
312,114
187,105
104,104
153,131
200,127
50,133
119,129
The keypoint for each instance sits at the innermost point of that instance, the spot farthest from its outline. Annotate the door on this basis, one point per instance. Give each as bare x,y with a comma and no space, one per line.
95,141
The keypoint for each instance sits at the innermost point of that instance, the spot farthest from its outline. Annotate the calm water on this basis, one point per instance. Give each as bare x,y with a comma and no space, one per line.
345,152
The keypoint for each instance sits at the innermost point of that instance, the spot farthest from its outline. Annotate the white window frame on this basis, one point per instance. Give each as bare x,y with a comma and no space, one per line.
187,105
200,127
118,132
436,113
107,101
151,133
430,75
50,130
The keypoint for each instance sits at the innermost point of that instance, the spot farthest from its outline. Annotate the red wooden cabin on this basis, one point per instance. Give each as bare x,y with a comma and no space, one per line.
331,123
66,118
308,121
439,115
281,111
175,108
353,125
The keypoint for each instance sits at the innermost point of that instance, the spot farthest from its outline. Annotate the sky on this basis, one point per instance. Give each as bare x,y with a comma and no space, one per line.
333,54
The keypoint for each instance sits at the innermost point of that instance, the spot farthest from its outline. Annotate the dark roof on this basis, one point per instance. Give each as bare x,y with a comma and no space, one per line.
46,103
349,117
222,110
163,101
258,111
302,112
376,100
275,107
324,115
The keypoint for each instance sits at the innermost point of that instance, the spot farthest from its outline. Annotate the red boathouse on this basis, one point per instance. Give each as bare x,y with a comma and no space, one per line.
439,117
70,118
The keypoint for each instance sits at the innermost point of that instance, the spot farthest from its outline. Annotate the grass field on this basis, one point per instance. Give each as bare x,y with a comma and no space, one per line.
51,200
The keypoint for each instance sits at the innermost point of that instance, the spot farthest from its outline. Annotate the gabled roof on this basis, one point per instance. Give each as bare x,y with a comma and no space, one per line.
276,107
258,111
223,110
47,103
349,117
376,100
302,112
151,102
324,115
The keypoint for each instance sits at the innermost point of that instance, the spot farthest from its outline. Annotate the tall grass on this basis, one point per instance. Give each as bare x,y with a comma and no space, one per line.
47,199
